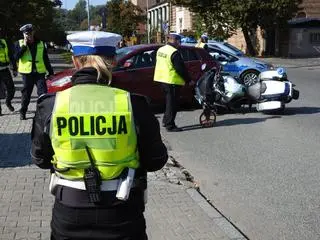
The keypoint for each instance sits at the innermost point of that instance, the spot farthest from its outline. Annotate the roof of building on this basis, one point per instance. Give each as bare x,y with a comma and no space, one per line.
304,22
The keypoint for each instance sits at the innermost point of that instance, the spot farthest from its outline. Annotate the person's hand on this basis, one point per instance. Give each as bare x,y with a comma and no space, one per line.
14,73
192,83
49,75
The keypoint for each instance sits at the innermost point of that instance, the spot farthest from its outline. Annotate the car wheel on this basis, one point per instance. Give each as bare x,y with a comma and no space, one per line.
250,77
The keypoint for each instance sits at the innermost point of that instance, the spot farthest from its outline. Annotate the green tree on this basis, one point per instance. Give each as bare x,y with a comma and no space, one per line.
209,18
222,17
15,13
123,17
79,13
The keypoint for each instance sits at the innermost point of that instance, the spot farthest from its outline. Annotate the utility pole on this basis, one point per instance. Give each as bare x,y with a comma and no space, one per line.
88,8
148,32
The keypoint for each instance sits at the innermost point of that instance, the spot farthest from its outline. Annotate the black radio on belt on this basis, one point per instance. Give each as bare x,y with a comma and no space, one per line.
92,181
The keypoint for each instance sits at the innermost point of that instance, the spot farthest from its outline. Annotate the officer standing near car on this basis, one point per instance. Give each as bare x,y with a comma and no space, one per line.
33,65
6,81
99,143
171,72
202,43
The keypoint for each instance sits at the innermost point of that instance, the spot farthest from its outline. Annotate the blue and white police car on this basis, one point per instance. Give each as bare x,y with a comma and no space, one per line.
246,69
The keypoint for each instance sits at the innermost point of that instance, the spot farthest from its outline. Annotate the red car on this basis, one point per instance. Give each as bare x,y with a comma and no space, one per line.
134,71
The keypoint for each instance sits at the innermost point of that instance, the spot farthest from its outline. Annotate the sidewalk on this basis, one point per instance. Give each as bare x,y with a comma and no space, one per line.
294,62
175,210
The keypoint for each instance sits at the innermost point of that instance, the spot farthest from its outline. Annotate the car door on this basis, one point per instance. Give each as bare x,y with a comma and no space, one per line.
193,64
139,72
228,61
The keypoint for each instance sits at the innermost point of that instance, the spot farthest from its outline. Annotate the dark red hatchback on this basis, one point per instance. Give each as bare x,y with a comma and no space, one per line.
134,71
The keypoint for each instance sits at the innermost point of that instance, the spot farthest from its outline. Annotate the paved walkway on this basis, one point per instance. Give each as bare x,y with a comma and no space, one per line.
175,210
294,62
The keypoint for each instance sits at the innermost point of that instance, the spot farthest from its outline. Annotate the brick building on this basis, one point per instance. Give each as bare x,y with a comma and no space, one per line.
283,42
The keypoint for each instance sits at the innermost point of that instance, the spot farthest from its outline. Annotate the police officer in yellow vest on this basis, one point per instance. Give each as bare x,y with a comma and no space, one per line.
33,65
202,43
99,142
171,72
6,82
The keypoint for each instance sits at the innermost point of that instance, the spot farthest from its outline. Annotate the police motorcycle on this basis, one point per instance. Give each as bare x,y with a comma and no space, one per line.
216,90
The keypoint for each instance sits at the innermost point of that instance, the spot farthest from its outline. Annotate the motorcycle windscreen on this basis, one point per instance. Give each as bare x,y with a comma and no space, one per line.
233,88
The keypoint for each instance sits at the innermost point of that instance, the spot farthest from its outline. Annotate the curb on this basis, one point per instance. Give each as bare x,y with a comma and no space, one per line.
232,231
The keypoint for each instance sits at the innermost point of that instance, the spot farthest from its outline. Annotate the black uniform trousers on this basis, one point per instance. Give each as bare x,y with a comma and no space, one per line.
73,218
6,79
29,80
171,92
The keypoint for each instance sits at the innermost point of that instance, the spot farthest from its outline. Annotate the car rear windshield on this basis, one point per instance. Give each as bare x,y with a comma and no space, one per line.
122,52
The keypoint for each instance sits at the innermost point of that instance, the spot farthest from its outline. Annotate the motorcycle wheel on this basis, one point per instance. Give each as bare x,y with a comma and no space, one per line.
208,118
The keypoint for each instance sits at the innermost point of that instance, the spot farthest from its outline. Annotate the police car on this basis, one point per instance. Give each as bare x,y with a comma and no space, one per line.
247,69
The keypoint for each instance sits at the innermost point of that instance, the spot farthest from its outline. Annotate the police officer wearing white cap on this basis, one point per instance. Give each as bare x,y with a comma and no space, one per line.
202,43
33,65
172,74
99,142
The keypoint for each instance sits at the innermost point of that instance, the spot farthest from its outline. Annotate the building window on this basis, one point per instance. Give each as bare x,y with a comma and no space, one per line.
314,37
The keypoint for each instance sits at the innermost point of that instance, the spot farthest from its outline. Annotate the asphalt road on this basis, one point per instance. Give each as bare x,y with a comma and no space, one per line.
261,171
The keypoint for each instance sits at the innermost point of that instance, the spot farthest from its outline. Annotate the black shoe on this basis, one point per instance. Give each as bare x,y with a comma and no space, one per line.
174,129
10,107
23,116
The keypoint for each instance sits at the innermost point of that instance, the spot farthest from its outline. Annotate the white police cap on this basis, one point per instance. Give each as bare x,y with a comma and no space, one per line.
26,28
94,43
204,35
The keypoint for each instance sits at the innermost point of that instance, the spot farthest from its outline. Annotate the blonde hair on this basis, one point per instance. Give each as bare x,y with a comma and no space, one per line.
103,65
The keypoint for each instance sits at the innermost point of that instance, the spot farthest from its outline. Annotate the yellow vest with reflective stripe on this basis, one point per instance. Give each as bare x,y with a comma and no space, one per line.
4,52
164,71
200,45
25,62
100,118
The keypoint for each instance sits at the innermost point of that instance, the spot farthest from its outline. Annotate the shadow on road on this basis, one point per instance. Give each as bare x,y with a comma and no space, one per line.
301,110
230,122
15,150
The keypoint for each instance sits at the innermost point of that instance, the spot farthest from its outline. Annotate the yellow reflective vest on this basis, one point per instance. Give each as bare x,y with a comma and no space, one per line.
4,52
200,45
97,117
25,62
164,71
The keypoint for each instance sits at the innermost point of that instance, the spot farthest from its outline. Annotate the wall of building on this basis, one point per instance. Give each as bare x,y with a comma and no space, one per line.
304,42
183,20
239,41
311,8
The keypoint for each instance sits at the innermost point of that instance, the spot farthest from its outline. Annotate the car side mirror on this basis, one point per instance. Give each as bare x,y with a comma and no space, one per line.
203,66
127,64
222,59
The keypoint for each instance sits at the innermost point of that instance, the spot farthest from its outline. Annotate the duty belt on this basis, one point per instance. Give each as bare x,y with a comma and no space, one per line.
110,185
3,68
